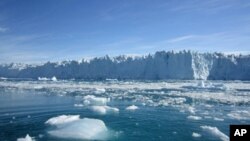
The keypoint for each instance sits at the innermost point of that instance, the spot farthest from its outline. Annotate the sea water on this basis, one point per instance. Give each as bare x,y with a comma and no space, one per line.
70,110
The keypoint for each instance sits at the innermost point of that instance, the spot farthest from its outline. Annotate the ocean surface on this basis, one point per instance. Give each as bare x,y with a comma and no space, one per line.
74,110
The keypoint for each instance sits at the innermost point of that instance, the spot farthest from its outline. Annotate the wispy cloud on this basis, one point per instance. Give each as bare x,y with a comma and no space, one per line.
220,41
2,29
123,42
181,38
209,6
21,48
17,41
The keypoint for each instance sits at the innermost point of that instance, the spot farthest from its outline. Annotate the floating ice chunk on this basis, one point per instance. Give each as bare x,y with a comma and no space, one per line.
47,79
196,135
3,78
83,129
62,119
104,109
92,100
132,107
54,78
109,79
207,85
191,109
239,115
207,117
99,90
218,119
221,97
172,101
43,79
78,105
208,105
38,87
27,138
194,117
216,132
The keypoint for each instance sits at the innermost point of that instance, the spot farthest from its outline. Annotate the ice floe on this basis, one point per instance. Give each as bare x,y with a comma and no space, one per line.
43,78
215,132
54,78
218,119
104,109
172,101
194,117
47,79
190,109
99,90
203,102
62,119
93,100
196,135
132,108
240,115
84,129
78,105
207,85
220,97
26,138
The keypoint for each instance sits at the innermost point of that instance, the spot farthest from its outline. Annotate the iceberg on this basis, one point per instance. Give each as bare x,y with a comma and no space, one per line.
93,100
27,138
72,127
162,65
54,78
194,117
216,132
104,109
132,108
196,135
47,79
62,119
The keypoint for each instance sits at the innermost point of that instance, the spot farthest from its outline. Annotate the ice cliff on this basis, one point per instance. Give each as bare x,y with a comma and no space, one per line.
161,65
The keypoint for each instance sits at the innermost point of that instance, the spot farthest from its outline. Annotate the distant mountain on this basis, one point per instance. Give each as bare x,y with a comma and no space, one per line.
161,65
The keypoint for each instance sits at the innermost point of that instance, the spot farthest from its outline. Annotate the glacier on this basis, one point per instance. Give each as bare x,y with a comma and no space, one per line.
183,65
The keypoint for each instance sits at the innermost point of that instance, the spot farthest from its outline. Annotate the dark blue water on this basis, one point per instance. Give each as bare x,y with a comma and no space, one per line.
25,106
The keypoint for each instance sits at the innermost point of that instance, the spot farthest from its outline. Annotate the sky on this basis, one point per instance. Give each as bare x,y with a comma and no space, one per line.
35,31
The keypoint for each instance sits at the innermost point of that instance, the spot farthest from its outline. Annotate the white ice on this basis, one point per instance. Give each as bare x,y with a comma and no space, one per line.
54,78
166,65
194,117
93,100
27,138
62,119
216,132
78,105
132,108
43,78
83,129
239,115
104,109
196,135
47,79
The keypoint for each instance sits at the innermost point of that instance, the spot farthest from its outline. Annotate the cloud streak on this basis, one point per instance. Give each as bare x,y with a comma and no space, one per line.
179,39
211,6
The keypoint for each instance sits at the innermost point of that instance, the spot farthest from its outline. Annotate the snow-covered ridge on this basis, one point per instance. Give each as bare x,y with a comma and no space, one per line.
161,65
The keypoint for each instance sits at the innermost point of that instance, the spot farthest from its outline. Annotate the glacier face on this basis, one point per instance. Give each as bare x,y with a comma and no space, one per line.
161,65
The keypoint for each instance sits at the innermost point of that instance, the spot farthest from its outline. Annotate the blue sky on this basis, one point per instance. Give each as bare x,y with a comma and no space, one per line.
33,31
